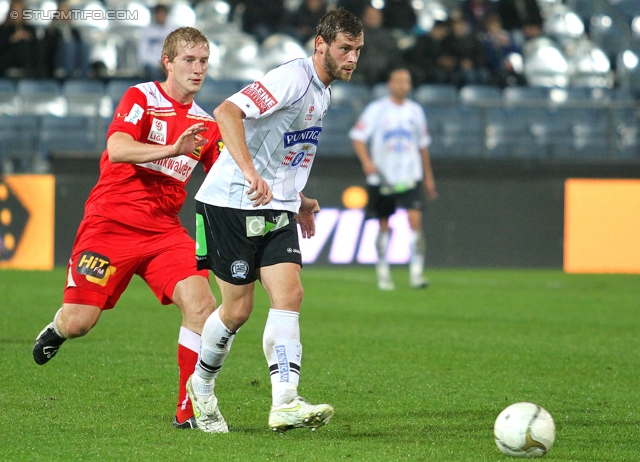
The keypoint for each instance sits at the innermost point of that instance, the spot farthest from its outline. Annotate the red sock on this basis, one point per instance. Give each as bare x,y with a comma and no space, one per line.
188,349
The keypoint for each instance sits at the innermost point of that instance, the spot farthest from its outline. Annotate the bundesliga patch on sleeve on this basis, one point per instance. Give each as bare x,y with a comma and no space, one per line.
260,96
135,114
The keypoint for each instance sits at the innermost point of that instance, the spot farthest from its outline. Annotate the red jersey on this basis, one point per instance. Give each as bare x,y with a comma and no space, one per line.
149,195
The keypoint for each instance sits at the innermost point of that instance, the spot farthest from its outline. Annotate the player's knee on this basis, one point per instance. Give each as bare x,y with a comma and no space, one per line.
294,297
198,311
76,326
233,317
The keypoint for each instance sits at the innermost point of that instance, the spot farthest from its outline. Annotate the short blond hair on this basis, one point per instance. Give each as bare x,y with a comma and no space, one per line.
183,36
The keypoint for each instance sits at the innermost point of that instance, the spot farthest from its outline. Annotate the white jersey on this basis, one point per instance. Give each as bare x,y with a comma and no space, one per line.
284,112
396,133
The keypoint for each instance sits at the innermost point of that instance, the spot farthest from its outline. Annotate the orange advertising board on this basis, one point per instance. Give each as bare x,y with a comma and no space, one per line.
27,221
602,226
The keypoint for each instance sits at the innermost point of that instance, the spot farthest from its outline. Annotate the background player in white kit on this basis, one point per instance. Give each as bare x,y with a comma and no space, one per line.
247,209
397,166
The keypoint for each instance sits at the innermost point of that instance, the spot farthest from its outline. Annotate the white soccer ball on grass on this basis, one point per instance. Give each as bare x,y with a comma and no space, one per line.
524,430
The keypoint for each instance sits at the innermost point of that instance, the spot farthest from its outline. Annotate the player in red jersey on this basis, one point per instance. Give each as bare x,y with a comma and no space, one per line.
131,225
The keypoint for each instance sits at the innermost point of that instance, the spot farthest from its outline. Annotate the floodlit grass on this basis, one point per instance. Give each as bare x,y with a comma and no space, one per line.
413,375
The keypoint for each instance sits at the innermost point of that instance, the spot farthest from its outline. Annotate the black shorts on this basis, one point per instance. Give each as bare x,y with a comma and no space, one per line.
384,205
235,243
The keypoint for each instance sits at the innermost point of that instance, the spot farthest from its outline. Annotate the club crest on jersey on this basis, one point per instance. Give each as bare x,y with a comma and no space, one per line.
309,114
295,159
197,152
134,115
158,132
239,269
260,96
96,268
308,135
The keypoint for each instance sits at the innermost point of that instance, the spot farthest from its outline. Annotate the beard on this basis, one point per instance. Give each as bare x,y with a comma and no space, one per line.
333,70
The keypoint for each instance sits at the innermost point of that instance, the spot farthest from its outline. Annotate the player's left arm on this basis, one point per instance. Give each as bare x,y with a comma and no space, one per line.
424,140
305,216
429,182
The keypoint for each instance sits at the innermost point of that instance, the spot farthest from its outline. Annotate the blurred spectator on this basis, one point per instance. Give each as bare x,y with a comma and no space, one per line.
150,44
66,55
429,59
399,15
355,6
522,18
468,51
380,52
304,21
19,48
261,18
475,12
520,14
498,45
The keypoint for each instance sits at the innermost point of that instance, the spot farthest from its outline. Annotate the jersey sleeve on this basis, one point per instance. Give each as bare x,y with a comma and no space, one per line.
279,88
213,147
365,124
424,137
129,114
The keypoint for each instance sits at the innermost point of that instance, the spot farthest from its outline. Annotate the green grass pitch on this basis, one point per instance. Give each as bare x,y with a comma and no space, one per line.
413,375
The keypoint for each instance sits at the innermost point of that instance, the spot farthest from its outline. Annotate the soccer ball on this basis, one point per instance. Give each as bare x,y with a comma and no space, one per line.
524,430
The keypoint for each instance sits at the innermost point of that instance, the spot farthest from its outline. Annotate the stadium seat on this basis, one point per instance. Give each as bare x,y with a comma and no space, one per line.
625,120
85,97
19,142
353,94
529,95
9,103
117,87
214,92
435,94
334,139
71,134
41,97
379,90
552,130
480,94
114,91
508,133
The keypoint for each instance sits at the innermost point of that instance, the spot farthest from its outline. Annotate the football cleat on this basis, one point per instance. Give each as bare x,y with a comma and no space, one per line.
298,413
187,424
419,282
386,284
206,412
47,345
383,274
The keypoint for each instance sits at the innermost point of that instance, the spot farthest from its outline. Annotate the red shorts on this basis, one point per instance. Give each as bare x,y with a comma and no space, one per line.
107,254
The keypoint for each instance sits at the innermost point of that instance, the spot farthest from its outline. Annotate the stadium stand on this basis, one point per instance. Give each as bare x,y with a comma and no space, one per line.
581,103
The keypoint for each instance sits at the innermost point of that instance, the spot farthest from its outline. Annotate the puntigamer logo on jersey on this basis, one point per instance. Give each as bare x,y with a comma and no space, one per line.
260,96
309,135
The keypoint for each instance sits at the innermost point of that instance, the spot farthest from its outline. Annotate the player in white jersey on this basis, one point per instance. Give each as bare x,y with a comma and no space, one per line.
247,210
397,166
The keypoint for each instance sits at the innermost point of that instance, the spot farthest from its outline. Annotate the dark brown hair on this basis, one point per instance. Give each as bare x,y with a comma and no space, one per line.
337,21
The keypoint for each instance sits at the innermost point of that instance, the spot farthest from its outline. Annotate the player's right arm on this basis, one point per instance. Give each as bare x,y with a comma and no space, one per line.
123,148
230,121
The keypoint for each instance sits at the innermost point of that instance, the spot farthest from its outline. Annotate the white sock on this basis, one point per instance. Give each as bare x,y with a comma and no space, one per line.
54,324
416,250
282,348
382,245
216,343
